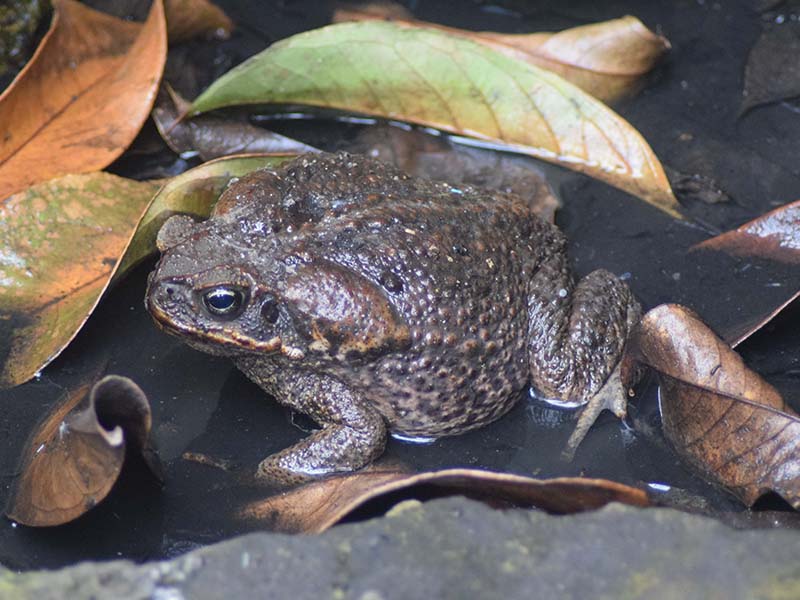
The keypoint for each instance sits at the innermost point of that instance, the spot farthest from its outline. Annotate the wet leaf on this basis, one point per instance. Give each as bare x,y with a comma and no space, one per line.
719,415
317,506
606,60
59,242
772,72
212,137
187,19
75,456
82,98
774,236
444,81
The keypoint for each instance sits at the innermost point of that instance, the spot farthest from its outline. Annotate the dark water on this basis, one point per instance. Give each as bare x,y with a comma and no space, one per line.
201,404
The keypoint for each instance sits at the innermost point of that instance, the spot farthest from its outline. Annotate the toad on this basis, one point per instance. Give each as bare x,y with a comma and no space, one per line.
376,302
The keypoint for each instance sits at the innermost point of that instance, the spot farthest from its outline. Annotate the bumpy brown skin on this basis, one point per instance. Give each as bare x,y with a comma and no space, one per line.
401,303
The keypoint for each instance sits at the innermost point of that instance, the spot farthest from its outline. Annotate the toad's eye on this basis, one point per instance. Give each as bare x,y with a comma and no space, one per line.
224,301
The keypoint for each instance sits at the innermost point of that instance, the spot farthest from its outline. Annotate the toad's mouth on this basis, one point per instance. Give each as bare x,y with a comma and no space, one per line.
220,340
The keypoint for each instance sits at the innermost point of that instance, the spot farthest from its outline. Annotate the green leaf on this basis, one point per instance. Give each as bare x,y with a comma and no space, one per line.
454,84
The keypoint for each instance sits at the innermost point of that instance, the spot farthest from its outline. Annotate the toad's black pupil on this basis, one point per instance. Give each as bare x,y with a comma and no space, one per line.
270,311
223,301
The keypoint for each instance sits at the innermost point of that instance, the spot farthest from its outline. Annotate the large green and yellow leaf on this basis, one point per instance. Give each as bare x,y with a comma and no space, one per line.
454,84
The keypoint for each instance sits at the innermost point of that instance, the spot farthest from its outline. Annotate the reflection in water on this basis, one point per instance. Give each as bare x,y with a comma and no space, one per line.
413,439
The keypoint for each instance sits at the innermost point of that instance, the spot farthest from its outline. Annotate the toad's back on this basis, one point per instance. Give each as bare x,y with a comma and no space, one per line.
455,264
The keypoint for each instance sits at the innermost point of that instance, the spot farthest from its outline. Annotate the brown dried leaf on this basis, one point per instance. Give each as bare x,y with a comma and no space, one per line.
187,19
719,415
75,456
605,59
213,137
317,506
82,98
775,236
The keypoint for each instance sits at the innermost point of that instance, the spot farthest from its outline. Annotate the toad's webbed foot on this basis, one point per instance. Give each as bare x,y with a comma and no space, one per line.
577,336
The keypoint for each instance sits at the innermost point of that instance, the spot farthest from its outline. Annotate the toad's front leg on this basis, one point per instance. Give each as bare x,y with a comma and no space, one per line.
353,433
577,335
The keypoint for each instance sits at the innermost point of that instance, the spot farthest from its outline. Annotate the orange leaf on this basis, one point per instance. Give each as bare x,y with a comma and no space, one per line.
83,96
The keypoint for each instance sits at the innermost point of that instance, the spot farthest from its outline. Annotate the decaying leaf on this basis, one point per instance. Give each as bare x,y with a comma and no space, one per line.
435,157
450,83
59,242
719,415
775,236
606,60
75,456
187,19
317,506
82,98
213,137
772,72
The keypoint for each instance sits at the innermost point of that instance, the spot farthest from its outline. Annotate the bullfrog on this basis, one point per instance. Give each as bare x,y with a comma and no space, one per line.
376,302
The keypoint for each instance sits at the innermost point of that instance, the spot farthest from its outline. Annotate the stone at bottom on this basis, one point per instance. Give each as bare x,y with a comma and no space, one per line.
456,548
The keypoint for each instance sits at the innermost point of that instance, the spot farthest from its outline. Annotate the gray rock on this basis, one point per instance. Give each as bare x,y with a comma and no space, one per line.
456,548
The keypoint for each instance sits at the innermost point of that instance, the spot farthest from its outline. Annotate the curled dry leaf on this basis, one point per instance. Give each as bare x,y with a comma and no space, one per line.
719,415
453,84
187,19
213,137
82,98
606,60
317,506
75,456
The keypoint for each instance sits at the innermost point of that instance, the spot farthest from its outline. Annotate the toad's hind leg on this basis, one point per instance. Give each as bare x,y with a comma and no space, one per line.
353,433
577,335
